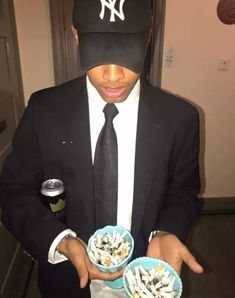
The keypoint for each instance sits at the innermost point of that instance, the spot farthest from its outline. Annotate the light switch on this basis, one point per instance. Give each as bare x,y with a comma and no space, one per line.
169,57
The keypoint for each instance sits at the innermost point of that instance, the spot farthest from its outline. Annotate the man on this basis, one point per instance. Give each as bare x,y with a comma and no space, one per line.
157,138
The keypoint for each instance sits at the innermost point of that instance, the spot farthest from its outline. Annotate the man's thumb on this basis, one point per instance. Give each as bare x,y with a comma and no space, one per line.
191,261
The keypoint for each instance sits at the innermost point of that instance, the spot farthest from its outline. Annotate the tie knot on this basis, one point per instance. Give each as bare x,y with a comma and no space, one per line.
110,111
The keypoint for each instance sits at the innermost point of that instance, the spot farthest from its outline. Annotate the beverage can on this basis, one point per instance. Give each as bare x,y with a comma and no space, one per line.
53,193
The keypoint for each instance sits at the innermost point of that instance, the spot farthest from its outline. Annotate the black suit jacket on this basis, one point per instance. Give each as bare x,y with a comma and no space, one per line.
53,141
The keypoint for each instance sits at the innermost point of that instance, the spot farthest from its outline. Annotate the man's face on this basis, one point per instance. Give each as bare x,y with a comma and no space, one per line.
113,82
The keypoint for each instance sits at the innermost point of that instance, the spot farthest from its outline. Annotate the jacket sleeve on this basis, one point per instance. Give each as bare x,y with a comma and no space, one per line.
180,204
23,213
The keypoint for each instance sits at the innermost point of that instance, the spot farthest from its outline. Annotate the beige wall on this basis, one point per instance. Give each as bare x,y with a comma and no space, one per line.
199,39
35,45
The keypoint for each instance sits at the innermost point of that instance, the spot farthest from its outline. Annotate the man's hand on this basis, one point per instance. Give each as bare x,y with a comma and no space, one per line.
75,250
169,248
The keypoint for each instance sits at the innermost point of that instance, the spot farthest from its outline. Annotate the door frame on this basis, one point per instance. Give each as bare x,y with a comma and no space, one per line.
65,51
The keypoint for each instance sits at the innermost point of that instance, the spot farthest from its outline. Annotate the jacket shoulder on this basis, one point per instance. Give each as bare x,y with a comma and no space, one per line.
169,102
59,93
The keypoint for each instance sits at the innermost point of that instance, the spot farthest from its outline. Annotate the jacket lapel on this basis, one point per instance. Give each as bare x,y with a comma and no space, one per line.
79,159
149,149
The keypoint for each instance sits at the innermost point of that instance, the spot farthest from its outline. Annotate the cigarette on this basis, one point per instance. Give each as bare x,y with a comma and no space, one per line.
109,249
152,283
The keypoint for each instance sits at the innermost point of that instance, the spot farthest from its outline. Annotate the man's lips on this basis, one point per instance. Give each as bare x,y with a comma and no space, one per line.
111,92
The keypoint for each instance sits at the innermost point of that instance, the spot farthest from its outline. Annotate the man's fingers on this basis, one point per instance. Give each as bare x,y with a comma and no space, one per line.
83,275
190,260
82,270
110,276
95,273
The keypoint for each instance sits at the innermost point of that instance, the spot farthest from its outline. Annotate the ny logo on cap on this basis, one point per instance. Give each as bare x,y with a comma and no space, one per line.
110,4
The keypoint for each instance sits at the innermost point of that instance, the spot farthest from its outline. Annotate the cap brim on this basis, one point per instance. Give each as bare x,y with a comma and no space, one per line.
127,50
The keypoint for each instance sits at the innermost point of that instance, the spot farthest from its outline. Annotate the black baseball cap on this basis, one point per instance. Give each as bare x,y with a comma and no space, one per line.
112,32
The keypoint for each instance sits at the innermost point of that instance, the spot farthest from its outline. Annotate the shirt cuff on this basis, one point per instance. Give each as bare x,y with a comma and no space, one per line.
156,233
54,257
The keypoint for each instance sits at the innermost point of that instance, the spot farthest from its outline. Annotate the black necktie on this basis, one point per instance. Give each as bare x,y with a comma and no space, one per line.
106,171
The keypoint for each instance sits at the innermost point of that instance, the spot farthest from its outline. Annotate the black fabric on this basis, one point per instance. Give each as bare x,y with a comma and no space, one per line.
98,48
112,32
60,281
106,171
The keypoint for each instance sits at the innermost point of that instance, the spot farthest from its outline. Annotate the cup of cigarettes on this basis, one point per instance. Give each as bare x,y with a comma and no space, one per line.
151,278
110,249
